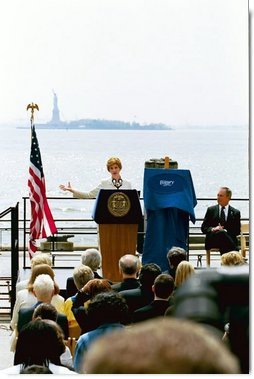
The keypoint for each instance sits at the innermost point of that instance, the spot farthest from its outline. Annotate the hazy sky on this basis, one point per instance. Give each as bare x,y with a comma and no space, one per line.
180,62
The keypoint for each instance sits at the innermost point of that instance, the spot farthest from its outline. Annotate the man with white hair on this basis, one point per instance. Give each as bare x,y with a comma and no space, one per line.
43,289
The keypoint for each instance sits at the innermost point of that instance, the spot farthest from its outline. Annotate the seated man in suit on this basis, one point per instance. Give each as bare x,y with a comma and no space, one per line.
43,289
222,224
163,288
129,266
139,297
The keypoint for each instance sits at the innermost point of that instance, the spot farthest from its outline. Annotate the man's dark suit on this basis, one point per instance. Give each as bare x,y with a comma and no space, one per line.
155,309
126,284
224,240
26,314
137,298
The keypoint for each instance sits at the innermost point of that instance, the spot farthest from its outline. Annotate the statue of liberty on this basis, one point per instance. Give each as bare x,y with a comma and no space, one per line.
55,112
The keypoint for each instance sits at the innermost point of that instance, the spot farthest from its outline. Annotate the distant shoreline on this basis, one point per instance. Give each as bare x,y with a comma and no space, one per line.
46,126
66,126
93,124
91,128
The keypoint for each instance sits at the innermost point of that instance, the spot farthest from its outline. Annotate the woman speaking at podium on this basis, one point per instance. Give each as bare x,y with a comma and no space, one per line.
114,167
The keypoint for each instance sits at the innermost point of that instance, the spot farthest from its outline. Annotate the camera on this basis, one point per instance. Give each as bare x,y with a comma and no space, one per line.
216,297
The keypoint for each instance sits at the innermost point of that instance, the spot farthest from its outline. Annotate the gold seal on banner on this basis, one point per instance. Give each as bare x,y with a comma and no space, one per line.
119,204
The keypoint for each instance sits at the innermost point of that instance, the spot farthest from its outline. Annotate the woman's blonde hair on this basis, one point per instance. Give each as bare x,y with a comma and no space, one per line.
81,275
232,258
42,269
40,258
114,160
183,271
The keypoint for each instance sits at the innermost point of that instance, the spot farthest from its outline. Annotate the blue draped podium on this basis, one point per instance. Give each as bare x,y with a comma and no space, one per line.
169,199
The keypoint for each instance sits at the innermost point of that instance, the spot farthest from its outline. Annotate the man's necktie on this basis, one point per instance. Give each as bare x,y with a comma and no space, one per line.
222,216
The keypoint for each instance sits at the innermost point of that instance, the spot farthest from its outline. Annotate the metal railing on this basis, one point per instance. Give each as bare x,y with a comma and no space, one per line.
14,211
87,227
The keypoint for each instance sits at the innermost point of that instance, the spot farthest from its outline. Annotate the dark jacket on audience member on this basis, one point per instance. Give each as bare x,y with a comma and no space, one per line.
126,284
137,298
26,314
80,312
154,309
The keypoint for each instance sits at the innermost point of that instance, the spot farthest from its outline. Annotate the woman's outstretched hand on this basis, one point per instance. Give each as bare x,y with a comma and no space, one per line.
66,188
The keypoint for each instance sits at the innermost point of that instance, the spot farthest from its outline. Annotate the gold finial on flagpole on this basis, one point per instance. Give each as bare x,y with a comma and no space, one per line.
32,106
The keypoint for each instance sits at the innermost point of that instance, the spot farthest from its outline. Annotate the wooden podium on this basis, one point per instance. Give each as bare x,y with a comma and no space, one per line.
118,213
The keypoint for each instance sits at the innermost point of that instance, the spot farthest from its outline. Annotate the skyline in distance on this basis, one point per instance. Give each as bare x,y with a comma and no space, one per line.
177,62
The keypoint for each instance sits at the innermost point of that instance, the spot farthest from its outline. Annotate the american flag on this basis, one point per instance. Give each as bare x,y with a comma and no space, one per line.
42,223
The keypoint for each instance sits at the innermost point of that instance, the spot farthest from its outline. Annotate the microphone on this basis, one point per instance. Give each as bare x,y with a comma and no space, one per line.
117,183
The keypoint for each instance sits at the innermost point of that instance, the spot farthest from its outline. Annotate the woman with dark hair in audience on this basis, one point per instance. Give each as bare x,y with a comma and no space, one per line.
40,342
36,369
45,311
48,312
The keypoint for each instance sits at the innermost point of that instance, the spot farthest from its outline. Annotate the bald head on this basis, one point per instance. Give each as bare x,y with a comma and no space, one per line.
129,265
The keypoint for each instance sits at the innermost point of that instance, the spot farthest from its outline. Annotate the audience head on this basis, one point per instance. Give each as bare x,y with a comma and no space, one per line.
148,273
35,369
169,346
45,311
40,258
58,330
39,342
95,286
184,270
44,288
108,307
91,258
81,275
232,258
129,265
42,269
163,286
176,255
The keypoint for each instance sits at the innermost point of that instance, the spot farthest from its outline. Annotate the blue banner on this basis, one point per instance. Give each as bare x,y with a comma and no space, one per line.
169,199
